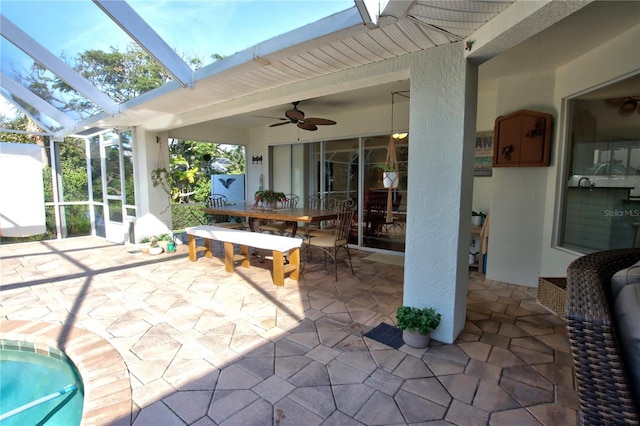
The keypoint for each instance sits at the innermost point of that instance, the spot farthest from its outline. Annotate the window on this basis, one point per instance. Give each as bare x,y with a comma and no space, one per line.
349,169
602,194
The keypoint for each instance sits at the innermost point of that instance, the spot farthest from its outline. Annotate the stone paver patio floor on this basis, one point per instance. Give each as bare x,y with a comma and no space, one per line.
200,346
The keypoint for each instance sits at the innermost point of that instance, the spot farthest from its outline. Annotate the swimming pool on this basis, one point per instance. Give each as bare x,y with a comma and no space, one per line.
29,374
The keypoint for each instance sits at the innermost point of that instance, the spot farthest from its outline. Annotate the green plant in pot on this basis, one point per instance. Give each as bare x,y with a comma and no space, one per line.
144,244
163,240
477,218
155,248
417,324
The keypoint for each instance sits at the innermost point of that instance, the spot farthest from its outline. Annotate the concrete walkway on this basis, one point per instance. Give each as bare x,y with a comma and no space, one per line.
204,347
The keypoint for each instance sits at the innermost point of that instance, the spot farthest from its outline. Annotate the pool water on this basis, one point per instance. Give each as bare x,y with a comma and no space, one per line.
26,376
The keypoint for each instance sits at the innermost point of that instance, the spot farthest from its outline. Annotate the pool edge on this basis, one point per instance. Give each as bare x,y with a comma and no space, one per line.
107,387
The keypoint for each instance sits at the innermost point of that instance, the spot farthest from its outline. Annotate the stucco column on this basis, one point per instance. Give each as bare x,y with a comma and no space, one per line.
153,208
441,146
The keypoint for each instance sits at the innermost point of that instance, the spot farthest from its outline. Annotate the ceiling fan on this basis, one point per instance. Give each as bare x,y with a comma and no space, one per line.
295,116
626,105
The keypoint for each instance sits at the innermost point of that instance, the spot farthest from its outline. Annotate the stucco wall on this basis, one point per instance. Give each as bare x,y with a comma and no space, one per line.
525,202
518,194
583,74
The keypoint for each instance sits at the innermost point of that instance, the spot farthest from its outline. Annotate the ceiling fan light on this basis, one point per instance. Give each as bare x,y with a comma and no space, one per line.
398,136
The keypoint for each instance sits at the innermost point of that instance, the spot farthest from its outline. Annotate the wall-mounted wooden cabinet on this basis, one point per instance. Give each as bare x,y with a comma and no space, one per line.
522,139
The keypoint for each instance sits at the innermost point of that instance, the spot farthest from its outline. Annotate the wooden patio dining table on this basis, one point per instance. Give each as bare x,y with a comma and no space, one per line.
290,216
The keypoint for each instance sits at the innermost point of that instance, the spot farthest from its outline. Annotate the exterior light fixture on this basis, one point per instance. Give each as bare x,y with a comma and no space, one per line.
398,136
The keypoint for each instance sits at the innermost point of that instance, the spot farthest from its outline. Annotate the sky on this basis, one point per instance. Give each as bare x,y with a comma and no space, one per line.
193,28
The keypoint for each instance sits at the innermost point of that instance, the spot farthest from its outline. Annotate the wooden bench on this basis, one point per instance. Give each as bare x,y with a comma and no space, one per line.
279,245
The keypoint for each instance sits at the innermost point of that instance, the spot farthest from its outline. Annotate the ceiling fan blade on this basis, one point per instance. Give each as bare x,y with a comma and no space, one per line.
294,114
279,124
615,101
273,118
320,121
307,126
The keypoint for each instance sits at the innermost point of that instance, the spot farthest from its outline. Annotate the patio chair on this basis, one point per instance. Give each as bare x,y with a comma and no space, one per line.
278,227
329,226
331,243
312,202
219,200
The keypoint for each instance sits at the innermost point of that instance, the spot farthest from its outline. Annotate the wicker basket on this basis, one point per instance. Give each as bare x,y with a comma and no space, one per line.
552,294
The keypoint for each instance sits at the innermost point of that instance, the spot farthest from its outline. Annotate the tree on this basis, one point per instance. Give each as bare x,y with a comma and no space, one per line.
122,76
189,177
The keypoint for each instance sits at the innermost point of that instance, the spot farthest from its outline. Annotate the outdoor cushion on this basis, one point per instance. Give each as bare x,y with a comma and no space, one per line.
627,316
630,275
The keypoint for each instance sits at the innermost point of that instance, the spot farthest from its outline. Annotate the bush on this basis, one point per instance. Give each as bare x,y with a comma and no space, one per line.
425,320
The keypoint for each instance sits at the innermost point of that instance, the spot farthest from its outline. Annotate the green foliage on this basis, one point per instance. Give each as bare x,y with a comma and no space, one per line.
188,178
425,320
383,167
483,215
184,215
121,75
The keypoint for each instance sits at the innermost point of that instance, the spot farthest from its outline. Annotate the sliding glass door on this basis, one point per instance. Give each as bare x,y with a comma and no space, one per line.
384,210
353,169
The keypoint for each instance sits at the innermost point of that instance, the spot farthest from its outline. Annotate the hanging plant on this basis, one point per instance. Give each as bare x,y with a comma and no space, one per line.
390,179
160,177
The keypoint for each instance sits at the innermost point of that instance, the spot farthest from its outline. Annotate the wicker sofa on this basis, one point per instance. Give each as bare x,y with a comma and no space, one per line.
606,385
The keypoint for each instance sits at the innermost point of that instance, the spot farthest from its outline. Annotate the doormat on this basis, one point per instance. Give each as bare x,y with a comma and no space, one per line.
387,335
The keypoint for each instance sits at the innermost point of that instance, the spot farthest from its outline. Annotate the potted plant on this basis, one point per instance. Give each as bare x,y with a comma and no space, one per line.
269,198
163,241
417,324
144,244
390,179
161,177
477,218
155,248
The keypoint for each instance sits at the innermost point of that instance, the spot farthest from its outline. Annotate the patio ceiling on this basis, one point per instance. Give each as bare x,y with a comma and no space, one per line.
336,43
339,42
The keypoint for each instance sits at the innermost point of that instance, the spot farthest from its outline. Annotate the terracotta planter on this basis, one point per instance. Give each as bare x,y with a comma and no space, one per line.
415,339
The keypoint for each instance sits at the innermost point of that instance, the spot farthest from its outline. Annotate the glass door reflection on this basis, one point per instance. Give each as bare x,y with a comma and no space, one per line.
384,209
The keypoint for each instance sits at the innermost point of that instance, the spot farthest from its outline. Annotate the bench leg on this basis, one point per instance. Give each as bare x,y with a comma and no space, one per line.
230,258
278,268
294,262
244,256
208,249
193,249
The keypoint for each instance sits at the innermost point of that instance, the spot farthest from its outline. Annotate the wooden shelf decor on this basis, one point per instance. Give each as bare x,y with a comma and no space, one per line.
522,139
